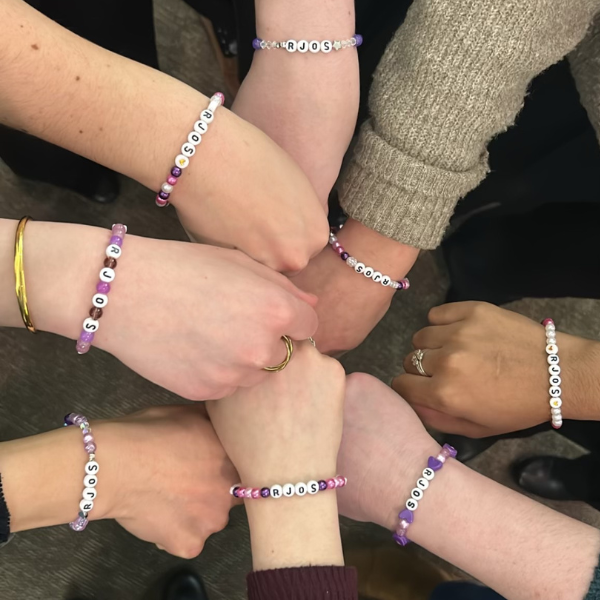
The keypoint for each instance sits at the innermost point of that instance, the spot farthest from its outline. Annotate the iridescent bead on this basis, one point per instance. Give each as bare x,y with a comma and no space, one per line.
82,347
119,230
336,245
265,492
351,261
79,524
340,250
103,287
164,195
87,436
69,418
95,313
344,256
322,485
241,492
90,448
172,180
234,492
405,283
78,420
331,484
403,525
452,452
176,172
255,493
547,322
248,493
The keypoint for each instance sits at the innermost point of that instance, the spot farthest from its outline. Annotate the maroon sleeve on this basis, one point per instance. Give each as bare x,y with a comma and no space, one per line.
306,583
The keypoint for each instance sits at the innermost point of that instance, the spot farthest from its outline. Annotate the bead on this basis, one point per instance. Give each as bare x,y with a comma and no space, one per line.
113,251
90,448
550,340
556,411
276,491
326,46
360,267
555,392
111,263
161,201
291,46
416,494
303,46
428,473
301,489
434,464
86,505
200,127
248,493
546,322
79,524
87,437
95,313
82,347
265,492
401,540
403,525
377,277
289,489
344,256
406,283
336,245
332,238
107,275
555,402
167,188
351,261
91,325
163,195
553,359
322,486
552,349
119,230
116,240
92,467
353,41
368,273
232,489
241,492
452,452
264,45
422,483
256,43
89,493
555,380
412,504
187,150
182,161
172,180
406,515
557,425
331,484
207,116
90,481
100,300
554,370
386,280
337,45
400,532
78,420
176,172
314,46
255,494
359,39
313,487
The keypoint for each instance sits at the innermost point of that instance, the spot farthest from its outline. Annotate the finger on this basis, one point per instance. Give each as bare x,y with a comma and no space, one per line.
415,389
449,424
451,313
303,322
432,337
428,361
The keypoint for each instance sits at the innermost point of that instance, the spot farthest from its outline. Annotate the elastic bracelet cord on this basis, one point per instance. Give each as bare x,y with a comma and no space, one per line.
554,370
90,481
4,517
189,149
20,287
313,46
407,516
289,489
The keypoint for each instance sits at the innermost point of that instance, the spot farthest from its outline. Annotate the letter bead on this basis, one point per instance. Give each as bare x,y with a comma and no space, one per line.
301,489
552,349
92,467
303,46
187,150
113,251
90,481
289,489
292,46
555,380
428,473
276,491
412,504
107,275
90,493
377,277
422,483
369,272
555,392
386,280
182,161
90,325
315,46
86,505
207,116
556,402
416,494
100,300
360,267
326,46
553,359
554,370
200,127
313,487
194,138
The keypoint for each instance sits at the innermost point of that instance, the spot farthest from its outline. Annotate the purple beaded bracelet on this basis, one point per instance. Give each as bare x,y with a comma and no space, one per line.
100,299
90,480
189,149
289,489
314,46
406,516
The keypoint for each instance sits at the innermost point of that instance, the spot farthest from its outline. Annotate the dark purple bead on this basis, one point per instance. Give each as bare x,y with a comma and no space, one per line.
434,464
322,485
265,492
344,256
234,493
256,43
176,172
359,39
163,195
68,420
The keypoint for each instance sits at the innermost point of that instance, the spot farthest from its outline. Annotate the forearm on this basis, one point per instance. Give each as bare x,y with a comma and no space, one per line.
520,548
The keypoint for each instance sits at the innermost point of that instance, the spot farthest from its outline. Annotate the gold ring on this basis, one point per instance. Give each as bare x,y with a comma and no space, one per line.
417,359
289,346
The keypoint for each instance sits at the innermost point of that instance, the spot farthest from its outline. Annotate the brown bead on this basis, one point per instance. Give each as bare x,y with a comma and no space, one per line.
111,263
95,313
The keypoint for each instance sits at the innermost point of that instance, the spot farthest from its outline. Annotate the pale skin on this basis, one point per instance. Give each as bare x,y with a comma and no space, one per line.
489,372
516,546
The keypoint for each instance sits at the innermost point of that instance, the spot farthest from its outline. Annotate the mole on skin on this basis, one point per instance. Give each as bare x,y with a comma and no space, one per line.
35,46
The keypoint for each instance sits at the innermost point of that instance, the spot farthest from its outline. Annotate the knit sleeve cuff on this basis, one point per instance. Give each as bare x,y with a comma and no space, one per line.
400,196
306,583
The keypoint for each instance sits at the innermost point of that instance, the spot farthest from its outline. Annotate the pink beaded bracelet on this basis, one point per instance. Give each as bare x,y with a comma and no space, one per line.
406,516
189,149
100,299
361,268
289,489
90,480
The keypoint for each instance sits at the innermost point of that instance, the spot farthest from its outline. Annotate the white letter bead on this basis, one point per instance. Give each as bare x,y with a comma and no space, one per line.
90,325
313,487
200,127
86,505
556,402
369,272
554,370
412,504
303,46
315,46
276,491
553,359
326,46
555,392
187,150
300,489
182,161
92,467
555,380
552,349
90,493
194,138
90,481
289,489
422,483
360,267
207,116
377,277
113,251
107,274
386,280
428,473
292,46
416,494
100,300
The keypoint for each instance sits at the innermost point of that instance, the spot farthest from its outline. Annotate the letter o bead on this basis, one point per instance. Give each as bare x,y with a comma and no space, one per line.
301,489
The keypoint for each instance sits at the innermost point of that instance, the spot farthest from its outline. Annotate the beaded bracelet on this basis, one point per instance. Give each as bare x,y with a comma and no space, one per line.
4,518
90,480
368,272
100,300
554,370
189,149
406,516
314,46
289,489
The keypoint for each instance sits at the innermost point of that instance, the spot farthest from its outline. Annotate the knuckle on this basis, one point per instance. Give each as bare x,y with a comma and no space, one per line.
281,311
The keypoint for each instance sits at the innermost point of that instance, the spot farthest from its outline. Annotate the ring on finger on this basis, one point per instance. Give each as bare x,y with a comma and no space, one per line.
417,361
289,347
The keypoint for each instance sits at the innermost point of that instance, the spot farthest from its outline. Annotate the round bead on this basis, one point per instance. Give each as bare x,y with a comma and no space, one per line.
553,359
359,267
86,505
412,504
405,283
207,116
82,347
555,380
313,487
90,481
332,238
194,138
340,250
554,370
248,493
301,489
428,473
322,485
187,150
265,492
86,337
289,489
92,467
552,349
326,46
351,261
161,201
172,180
416,494
232,489
276,491
119,229
386,280
115,239
107,275
91,325
90,448
403,525
556,402
556,411
182,161
303,46
176,172
547,322
255,494
167,188
95,313
344,256
422,483
377,277
90,493
291,45
314,46
368,272
219,97
550,340
359,39
200,127
87,438
163,195
555,392
557,425
331,484
241,492
111,263
256,43
113,251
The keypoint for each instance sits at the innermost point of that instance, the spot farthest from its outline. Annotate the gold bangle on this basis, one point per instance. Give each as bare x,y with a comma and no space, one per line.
20,288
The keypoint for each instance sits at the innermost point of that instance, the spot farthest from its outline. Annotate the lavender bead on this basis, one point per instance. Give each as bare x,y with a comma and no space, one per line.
407,515
119,230
265,492
79,524
82,347
86,336
85,431
359,39
176,172
322,485
90,448
256,43
401,540
115,239
87,437
434,464
78,420
451,451
103,287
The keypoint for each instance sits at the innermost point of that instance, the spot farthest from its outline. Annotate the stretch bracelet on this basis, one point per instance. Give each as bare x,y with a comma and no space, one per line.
554,370
100,300
4,517
90,480
314,46
361,268
189,149
407,516
289,489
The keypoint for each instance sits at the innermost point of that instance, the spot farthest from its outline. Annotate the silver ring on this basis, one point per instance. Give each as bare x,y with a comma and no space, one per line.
417,359
312,342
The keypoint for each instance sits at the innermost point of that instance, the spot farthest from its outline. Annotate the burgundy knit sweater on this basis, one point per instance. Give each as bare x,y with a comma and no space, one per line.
307,583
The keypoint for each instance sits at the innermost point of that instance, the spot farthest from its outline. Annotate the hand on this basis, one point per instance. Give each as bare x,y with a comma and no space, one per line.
350,305
249,194
197,320
489,373
383,447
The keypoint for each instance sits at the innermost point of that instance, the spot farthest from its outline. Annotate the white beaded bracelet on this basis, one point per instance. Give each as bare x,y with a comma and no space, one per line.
314,46
554,370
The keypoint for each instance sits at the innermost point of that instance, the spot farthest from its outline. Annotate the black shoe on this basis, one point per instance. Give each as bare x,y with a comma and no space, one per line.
542,476
184,585
468,448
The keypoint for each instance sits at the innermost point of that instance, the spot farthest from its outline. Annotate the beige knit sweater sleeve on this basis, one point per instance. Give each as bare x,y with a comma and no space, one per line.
454,76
